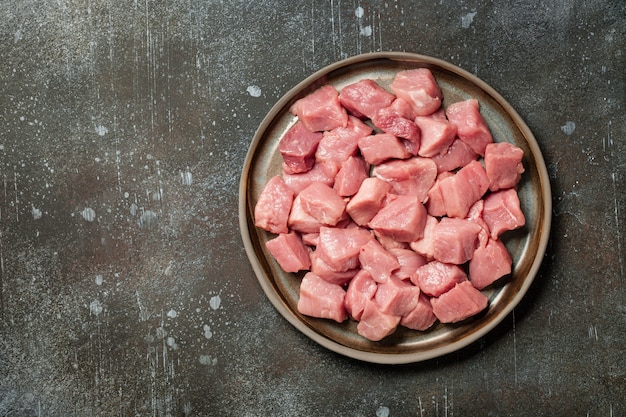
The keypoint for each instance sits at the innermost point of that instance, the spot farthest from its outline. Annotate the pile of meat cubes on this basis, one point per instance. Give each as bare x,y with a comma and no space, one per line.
392,205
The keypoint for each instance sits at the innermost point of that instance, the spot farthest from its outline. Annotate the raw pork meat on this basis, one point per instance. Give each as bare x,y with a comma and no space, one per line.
360,290
382,147
412,176
502,212
503,163
402,218
461,302
462,190
364,98
323,203
396,297
351,175
409,261
339,248
421,317
289,252
376,325
298,147
321,110
271,211
455,240
337,145
489,263
377,261
471,127
364,205
458,155
437,135
322,299
436,277
419,88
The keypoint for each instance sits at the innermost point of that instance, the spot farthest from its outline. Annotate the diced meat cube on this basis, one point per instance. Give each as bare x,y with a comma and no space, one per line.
503,164
389,121
382,147
351,175
300,220
322,299
471,127
364,205
502,212
460,303
361,289
425,246
412,176
434,203
390,243
455,240
402,218
421,317
271,211
337,145
321,110
475,215
489,263
419,88
396,296
298,147
462,190
322,270
377,261
458,155
364,98
339,247
409,261
289,252
323,203
437,135
376,325
298,182
436,277
310,239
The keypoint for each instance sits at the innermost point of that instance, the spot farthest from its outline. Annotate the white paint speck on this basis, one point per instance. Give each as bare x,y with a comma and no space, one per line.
99,279
207,360
88,214
95,307
186,178
359,12
172,314
382,411
147,219
568,128
101,130
467,20
207,331
36,213
133,209
18,36
254,90
171,342
366,30
215,302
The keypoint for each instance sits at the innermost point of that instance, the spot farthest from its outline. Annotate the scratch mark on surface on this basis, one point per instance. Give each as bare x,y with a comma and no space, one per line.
618,232
593,332
1,270
17,211
514,350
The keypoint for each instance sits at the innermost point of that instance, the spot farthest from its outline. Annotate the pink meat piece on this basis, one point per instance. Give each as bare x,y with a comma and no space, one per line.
455,240
409,261
462,190
489,263
298,147
460,303
458,155
337,145
402,218
471,127
321,110
389,243
361,289
503,164
300,220
412,176
434,203
339,247
437,135
396,296
322,299
322,270
425,246
381,147
364,205
502,212
310,239
377,261
323,203
421,317
298,182
289,251
351,175
376,325
436,277
419,88
364,98
388,120
271,211
475,215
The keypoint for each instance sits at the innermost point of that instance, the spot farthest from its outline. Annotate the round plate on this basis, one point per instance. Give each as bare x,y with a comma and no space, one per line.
526,245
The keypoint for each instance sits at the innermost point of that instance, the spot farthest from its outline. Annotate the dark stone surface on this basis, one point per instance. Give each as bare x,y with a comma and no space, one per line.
124,286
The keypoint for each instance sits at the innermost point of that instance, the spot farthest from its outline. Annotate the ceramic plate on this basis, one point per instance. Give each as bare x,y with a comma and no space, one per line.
526,245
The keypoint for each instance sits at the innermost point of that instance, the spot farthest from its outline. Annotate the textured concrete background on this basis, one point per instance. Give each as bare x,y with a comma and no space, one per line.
124,286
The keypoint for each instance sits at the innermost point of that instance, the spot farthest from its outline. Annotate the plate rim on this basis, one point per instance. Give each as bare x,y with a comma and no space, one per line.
402,357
